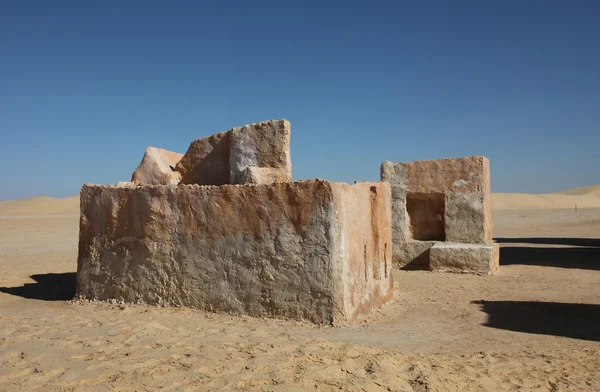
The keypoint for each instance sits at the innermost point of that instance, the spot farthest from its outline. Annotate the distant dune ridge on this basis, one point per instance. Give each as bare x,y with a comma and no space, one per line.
41,205
586,190
584,197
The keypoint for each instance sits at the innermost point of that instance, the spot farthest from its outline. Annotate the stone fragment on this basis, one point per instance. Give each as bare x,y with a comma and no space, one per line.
440,200
206,161
157,168
312,250
264,145
464,258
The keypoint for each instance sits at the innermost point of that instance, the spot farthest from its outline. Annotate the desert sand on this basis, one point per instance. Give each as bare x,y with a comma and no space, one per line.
42,205
585,197
535,326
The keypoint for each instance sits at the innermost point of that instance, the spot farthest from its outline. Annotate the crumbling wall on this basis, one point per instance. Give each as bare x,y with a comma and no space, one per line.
261,152
254,153
206,161
283,249
449,194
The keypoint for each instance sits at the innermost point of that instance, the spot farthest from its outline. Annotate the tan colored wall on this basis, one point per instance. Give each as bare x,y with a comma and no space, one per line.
206,161
254,153
465,184
157,168
364,213
264,250
264,147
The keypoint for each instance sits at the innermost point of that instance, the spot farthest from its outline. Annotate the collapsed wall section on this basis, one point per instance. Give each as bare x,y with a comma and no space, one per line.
282,250
206,161
251,154
261,152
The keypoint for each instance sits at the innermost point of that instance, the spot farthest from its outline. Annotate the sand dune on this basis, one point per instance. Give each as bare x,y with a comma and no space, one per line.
586,190
41,205
585,197
523,201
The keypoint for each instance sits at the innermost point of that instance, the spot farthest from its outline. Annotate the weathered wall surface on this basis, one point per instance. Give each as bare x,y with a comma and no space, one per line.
411,254
264,145
365,251
157,168
255,153
469,258
263,175
465,186
263,250
206,161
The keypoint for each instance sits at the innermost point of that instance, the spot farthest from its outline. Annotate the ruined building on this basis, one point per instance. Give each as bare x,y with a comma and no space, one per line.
223,228
442,215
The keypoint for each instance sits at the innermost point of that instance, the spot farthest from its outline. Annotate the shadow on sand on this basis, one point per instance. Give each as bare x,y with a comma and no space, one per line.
578,321
47,287
582,253
551,241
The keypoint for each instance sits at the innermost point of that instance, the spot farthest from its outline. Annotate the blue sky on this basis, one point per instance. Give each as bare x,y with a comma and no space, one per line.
87,86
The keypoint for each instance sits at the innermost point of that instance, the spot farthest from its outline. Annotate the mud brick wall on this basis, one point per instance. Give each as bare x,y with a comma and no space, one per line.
313,250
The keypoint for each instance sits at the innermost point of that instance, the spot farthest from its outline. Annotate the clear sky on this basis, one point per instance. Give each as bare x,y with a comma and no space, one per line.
86,86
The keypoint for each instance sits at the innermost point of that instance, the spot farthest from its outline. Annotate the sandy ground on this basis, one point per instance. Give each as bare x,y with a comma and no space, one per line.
534,326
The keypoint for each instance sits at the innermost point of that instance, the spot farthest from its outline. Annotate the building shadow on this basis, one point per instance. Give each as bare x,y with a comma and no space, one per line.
419,263
551,241
574,257
47,287
581,253
577,321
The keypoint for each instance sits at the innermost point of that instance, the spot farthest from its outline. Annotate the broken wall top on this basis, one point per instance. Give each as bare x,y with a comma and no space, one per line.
466,174
206,161
264,145
253,153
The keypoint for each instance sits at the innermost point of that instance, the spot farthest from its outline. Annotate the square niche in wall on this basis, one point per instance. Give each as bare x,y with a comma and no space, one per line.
426,213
